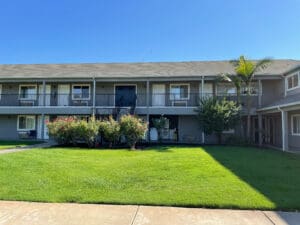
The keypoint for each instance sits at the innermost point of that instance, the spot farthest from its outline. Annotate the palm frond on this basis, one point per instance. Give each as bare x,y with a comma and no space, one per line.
262,64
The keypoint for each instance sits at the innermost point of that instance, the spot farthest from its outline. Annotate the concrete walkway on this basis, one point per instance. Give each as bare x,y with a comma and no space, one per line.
28,147
26,213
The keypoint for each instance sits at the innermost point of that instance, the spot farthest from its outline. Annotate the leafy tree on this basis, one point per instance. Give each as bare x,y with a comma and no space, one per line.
159,124
246,70
110,129
133,128
216,116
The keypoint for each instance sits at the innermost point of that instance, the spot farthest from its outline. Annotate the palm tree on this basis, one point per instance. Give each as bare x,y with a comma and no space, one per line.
246,70
235,80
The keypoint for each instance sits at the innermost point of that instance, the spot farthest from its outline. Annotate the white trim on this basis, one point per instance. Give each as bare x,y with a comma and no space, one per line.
82,85
180,99
287,82
28,85
18,129
292,124
124,84
0,91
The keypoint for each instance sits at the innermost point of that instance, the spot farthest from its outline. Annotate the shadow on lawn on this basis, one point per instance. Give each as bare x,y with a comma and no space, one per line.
274,174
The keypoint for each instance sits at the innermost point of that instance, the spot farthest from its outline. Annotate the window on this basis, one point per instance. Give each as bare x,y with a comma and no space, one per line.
296,124
26,123
253,89
27,92
226,89
81,92
292,81
179,91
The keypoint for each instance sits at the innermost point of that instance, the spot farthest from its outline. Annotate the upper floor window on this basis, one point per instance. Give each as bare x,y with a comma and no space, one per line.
27,92
226,89
296,124
253,90
26,123
81,92
179,91
292,81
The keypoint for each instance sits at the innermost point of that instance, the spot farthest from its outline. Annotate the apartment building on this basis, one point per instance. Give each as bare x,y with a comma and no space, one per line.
31,95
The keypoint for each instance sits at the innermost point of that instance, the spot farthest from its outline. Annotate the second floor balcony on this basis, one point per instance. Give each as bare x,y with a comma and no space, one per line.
112,100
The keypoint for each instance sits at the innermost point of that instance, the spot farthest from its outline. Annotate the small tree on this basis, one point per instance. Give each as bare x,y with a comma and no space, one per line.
133,128
159,124
110,129
217,116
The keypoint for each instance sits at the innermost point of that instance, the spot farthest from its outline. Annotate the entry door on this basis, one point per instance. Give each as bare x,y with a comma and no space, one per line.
47,98
158,95
125,96
39,132
63,94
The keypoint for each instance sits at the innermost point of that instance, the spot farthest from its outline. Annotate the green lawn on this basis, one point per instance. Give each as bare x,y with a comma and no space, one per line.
14,144
218,177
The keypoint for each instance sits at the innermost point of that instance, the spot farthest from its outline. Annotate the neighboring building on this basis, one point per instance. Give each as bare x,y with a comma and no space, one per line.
30,95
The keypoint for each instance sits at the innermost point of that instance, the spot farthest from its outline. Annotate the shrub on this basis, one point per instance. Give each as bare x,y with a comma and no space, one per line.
133,128
60,130
70,131
110,129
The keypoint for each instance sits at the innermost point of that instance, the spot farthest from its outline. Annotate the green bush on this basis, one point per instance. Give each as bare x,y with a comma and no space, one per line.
133,129
70,131
110,130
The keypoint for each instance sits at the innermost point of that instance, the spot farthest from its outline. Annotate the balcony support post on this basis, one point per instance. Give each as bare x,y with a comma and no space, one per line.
260,130
43,126
259,92
148,103
202,96
44,93
94,97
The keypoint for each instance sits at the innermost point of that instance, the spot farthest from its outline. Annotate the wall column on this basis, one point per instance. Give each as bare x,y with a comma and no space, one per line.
148,105
284,125
260,130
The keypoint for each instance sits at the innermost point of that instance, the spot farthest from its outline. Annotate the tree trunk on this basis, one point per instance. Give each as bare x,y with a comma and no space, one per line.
248,111
132,147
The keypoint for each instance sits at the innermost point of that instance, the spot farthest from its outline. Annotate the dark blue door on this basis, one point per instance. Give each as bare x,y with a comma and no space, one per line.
125,96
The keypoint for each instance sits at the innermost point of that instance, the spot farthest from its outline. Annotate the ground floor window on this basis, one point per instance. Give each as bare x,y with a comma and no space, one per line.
296,124
26,123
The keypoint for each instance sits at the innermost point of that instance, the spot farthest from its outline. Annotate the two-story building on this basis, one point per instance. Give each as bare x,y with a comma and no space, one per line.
30,95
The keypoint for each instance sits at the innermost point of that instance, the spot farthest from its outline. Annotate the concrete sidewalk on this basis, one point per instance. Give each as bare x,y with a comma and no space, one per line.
29,147
26,213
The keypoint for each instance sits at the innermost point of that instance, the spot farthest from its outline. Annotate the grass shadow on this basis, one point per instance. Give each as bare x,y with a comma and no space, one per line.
274,174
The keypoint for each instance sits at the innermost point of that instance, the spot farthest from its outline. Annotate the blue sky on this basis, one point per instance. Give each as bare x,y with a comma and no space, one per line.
65,31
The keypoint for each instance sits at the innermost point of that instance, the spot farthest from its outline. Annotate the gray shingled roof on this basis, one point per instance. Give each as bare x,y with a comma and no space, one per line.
125,70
